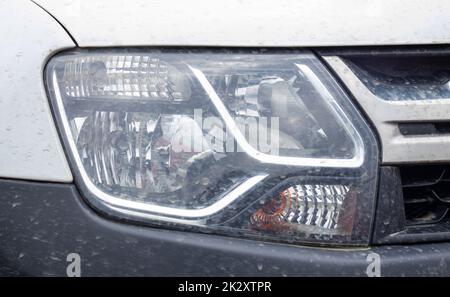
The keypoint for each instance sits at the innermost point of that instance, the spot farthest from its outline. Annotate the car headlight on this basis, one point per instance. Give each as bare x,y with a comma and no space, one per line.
260,143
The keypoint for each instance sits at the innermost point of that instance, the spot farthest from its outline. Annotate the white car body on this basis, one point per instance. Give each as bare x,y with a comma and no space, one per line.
30,145
285,23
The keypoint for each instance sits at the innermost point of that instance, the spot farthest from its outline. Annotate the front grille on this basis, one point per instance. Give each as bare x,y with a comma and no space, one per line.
413,204
426,194
405,93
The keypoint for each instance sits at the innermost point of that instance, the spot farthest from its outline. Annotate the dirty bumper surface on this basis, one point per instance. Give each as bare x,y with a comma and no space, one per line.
42,223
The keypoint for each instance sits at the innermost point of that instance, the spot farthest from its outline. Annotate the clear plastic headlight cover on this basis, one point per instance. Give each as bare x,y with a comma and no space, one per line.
248,143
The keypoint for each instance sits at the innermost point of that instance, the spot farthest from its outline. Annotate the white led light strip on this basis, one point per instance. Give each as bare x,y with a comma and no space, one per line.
354,162
134,207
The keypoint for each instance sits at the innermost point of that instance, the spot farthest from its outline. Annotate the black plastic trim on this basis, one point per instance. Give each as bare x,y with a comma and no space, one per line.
391,226
390,213
41,223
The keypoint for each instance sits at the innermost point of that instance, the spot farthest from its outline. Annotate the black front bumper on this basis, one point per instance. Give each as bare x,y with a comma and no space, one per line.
41,223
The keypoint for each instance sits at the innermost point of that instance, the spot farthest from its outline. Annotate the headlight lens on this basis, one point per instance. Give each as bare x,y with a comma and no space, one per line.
259,144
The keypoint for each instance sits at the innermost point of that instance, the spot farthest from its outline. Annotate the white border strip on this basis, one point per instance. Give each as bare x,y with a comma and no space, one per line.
355,162
125,206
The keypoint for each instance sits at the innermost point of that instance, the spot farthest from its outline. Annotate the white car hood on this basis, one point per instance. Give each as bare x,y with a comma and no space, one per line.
253,23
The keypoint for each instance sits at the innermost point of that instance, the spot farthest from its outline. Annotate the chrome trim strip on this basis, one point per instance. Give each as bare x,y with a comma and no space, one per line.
385,115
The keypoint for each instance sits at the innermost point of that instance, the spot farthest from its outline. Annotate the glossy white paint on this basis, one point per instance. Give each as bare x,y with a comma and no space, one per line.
29,144
253,22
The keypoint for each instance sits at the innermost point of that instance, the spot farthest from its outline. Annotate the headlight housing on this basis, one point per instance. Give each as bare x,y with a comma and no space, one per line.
257,143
